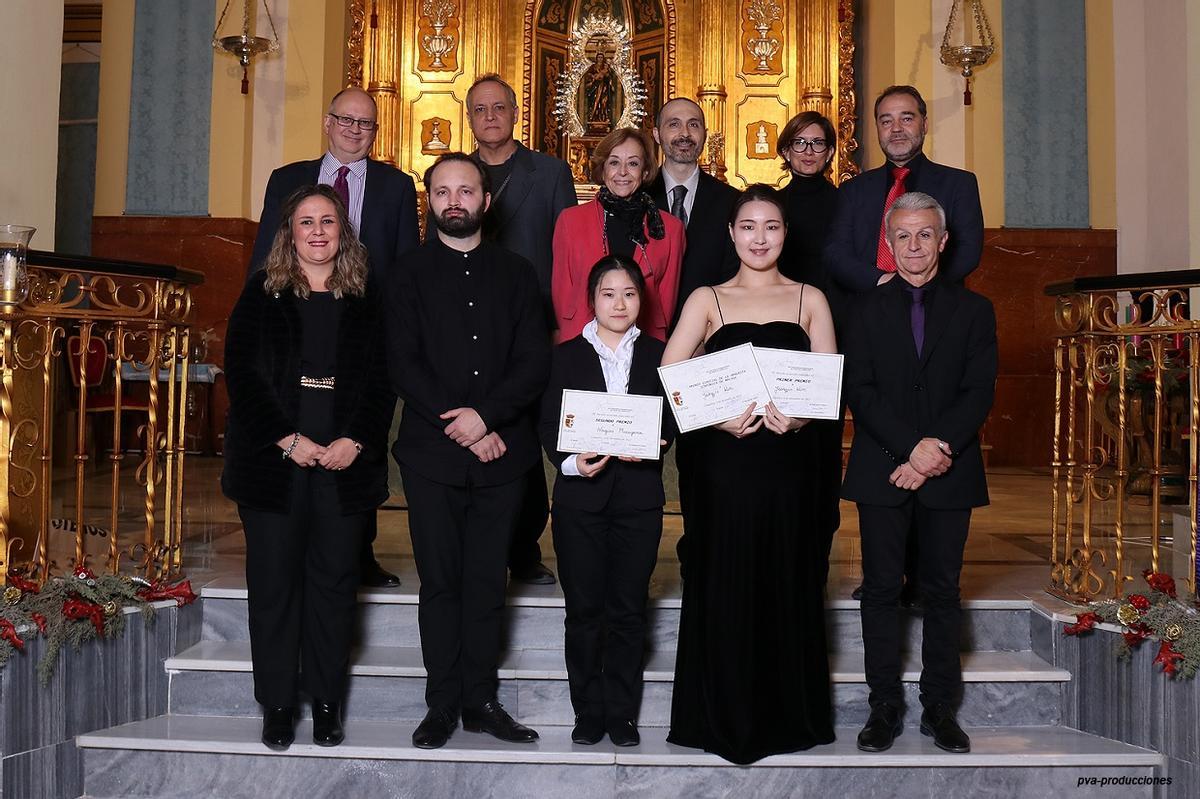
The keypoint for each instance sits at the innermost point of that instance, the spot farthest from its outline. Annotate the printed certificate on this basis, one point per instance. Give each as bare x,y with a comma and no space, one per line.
610,424
713,388
806,385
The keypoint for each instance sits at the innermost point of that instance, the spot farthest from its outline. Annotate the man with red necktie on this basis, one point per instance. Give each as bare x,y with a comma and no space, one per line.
856,252
382,203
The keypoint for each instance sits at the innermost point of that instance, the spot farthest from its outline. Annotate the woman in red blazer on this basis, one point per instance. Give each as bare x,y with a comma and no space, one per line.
622,220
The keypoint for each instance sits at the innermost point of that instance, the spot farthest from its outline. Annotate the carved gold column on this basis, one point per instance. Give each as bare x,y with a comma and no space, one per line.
711,94
382,65
818,55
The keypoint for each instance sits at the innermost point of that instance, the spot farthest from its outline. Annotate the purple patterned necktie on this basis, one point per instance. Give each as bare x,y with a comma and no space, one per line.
917,316
341,187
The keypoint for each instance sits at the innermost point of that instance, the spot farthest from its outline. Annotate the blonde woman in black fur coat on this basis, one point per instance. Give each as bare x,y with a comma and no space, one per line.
305,455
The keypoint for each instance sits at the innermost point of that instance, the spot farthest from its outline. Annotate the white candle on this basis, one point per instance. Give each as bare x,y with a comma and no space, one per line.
8,267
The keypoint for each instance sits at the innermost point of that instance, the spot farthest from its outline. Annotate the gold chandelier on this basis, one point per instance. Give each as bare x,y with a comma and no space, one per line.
244,46
966,55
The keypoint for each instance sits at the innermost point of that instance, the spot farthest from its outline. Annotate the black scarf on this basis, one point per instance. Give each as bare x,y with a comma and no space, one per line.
631,211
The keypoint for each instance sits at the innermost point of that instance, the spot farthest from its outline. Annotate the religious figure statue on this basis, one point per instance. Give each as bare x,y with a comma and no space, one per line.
599,91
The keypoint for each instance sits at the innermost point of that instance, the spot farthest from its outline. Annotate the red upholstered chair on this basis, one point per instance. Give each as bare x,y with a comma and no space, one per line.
100,394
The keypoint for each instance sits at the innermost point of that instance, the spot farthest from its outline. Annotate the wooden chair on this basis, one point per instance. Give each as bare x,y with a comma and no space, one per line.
99,391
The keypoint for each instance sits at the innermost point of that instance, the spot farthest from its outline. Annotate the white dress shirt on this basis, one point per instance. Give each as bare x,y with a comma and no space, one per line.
692,184
356,179
615,366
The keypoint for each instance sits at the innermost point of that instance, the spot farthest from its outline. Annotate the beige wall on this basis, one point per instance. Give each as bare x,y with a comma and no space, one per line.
30,74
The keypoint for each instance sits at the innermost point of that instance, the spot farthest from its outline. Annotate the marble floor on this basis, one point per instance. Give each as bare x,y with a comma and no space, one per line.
1007,553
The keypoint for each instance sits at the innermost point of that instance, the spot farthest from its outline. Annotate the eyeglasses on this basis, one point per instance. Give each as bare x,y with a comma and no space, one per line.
345,122
799,145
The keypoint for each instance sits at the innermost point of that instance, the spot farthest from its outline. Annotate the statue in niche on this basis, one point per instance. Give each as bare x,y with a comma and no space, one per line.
761,145
599,92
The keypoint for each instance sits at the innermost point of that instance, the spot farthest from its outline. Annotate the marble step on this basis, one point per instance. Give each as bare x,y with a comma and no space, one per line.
178,755
534,620
213,677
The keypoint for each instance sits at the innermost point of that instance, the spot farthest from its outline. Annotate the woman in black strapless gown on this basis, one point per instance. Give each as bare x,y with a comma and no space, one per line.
752,670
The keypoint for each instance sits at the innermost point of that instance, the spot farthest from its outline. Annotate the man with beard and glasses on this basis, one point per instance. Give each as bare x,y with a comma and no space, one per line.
697,199
469,355
856,253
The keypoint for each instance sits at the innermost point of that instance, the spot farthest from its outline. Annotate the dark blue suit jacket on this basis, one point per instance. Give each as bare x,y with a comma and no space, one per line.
853,240
388,227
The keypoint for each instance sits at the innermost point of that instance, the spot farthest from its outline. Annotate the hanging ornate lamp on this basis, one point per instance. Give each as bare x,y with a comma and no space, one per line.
966,55
244,46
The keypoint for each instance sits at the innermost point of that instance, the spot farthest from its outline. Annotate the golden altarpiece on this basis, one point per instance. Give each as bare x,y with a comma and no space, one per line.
582,67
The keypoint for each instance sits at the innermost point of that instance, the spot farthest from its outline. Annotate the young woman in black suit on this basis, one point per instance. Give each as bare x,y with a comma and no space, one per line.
306,455
607,512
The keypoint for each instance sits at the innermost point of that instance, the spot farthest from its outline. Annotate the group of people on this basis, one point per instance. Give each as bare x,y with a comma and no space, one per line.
519,292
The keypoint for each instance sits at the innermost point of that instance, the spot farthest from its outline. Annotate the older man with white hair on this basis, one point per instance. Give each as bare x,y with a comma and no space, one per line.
920,379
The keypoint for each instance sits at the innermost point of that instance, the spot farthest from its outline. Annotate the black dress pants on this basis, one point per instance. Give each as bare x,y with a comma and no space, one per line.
605,560
524,550
302,570
943,535
460,537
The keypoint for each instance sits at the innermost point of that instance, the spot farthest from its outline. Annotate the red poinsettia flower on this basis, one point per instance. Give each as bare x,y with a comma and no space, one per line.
1137,633
1084,622
1140,602
1163,583
1167,658
40,621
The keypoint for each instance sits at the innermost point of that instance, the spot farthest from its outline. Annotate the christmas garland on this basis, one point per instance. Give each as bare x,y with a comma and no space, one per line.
75,609
1156,614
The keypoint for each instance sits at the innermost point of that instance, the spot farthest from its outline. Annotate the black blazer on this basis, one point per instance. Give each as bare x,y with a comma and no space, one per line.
709,258
898,399
576,365
262,374
854,238
388,227
433,357
521,219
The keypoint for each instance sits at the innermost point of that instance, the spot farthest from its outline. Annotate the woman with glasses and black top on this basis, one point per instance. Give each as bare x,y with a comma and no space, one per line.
305,455
807,145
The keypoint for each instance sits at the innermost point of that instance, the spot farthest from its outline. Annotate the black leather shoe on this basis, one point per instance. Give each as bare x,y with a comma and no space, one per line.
279,727
623,733
938,722
372,575
588,730
492,718
856,594
533,574
880,730
327,723
435,729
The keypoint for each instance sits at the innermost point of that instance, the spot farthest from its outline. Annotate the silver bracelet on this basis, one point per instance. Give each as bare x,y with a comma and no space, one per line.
287,453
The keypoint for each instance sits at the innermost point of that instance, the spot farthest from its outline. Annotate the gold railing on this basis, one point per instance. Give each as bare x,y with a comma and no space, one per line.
99,349
1126,410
